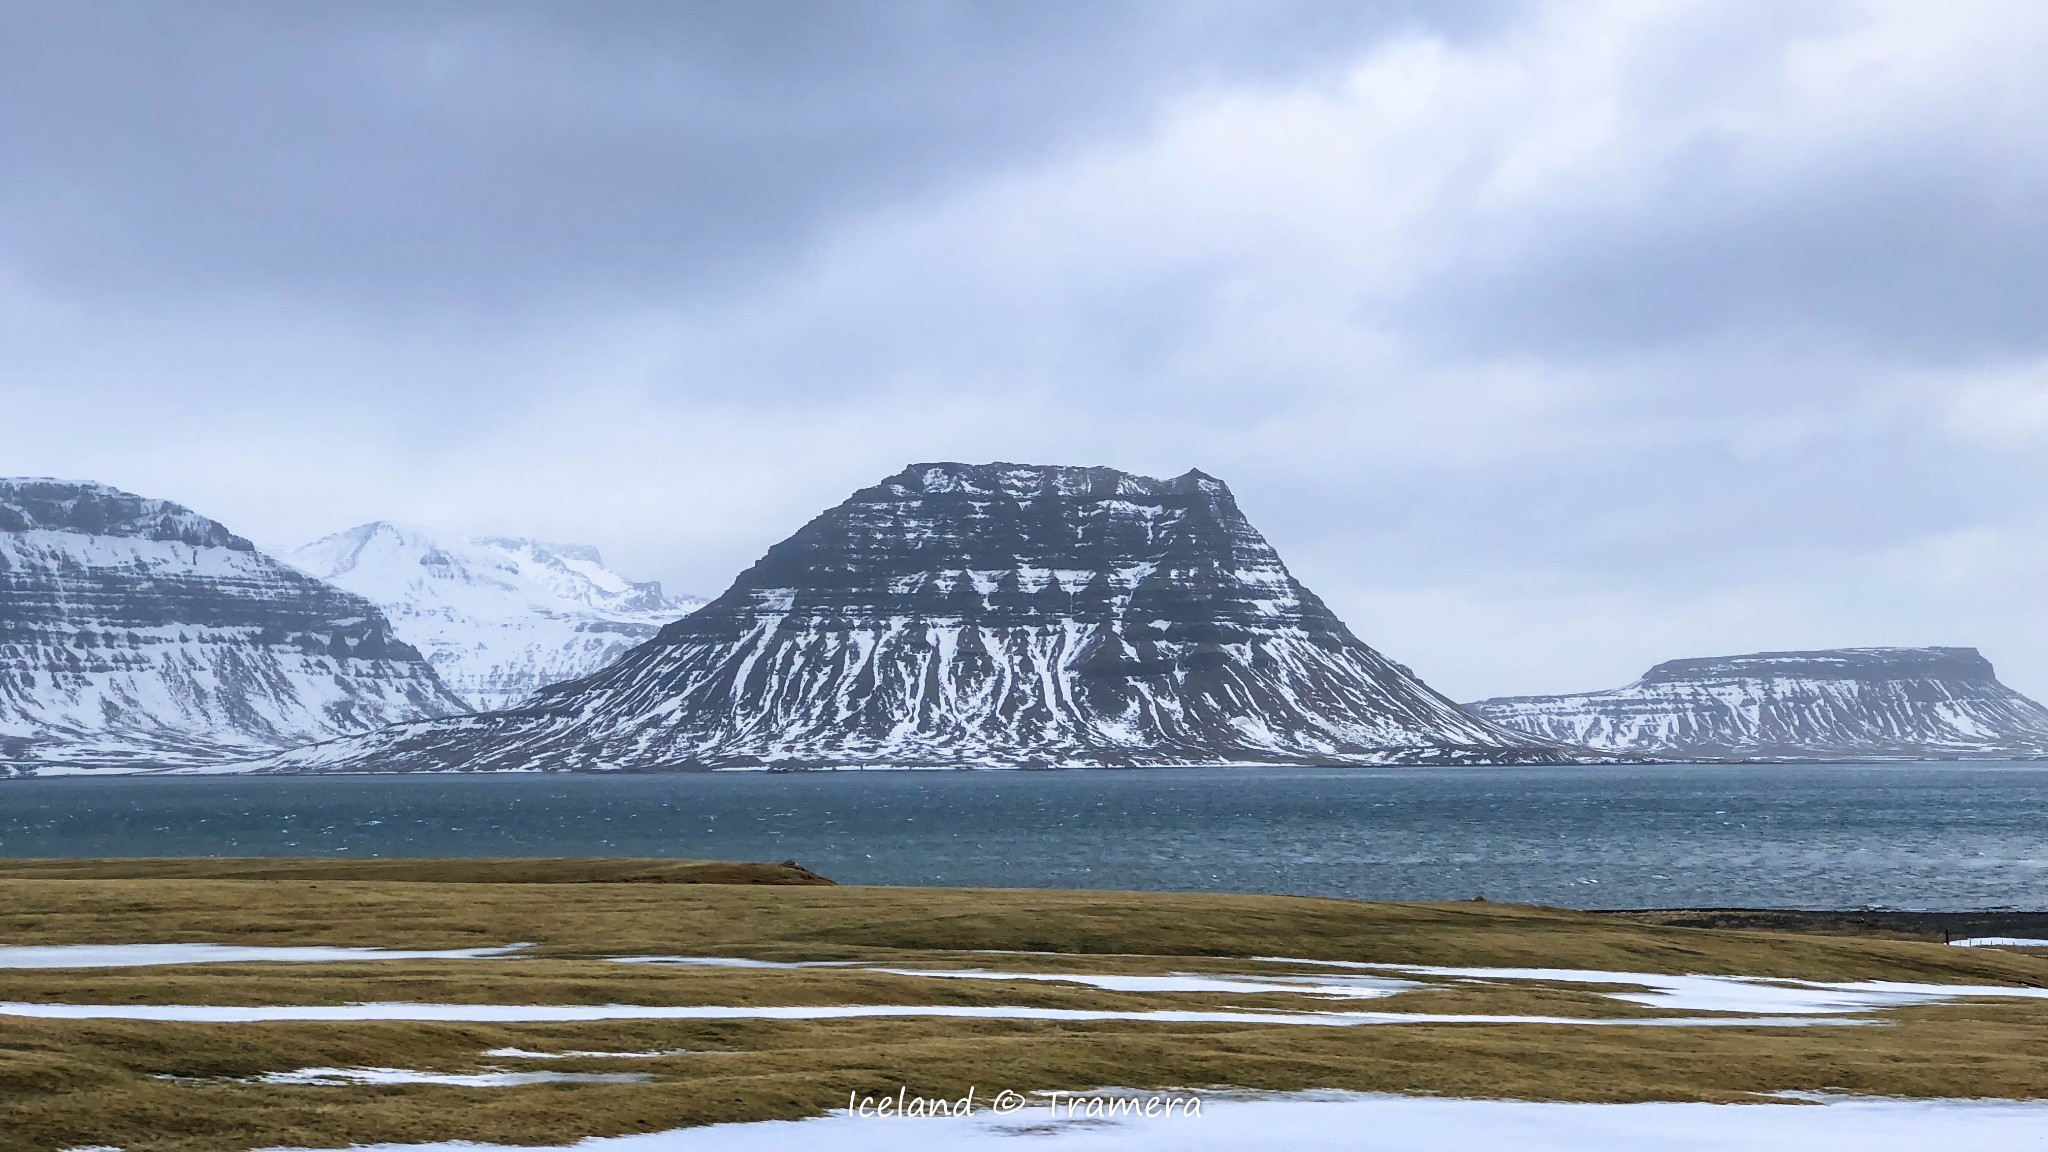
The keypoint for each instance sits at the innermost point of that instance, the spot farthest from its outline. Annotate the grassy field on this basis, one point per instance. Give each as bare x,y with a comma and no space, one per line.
183,1087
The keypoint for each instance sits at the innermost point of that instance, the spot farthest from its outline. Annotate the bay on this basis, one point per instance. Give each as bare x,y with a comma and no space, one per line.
1905,836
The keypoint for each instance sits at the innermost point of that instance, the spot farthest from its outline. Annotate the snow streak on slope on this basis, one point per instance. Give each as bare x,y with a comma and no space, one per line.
1847,703
135,633
498,618
994,615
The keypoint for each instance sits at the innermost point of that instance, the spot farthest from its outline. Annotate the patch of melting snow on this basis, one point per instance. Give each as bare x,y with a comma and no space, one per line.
731,962
1739,1000
347,1077
1334,1122
147,955
1348,988
571,1013
575,1054
1998,942
1351,988
1754,994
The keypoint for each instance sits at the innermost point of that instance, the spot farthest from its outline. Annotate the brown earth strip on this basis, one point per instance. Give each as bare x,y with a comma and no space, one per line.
1929,926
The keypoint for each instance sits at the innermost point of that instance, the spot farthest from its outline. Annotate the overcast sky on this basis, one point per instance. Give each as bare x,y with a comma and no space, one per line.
1545,341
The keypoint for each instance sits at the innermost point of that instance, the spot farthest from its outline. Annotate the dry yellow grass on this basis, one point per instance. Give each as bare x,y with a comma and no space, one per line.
813,922
72,1083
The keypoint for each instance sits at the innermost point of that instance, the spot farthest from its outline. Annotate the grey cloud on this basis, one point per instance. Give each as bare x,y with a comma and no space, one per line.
473,155
1923,233
1929,256
534,269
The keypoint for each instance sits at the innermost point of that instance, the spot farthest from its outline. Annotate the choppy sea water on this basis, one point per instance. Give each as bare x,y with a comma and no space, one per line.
1935,836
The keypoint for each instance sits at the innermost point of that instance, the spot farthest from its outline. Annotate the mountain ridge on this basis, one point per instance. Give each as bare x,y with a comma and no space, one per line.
137,634
1823,704
995,615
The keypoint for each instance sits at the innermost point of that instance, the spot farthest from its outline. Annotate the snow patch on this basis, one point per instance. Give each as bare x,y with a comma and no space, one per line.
346,1077
148,955
1752,994
1337,1122
1362,988
583,1054
576,1013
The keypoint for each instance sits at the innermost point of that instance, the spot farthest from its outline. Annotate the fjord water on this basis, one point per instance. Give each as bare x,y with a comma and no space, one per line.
1918,836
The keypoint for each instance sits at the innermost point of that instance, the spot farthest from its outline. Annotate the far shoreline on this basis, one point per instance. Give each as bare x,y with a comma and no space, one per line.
188,772
1933,925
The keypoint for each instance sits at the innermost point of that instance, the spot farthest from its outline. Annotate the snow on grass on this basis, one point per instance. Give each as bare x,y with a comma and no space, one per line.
1752,994
731,962
1352,988
1341,987
576,1054
1745,995
576,1013
1342,1122
348,1077
146,955
1729,994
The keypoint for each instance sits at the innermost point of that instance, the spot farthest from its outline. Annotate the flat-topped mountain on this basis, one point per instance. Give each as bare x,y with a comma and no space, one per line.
1838,704
499,618
136,634
992,615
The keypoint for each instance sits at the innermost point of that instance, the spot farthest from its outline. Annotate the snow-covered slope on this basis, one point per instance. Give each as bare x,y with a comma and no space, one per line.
1844,703
136,634
498,618
994,615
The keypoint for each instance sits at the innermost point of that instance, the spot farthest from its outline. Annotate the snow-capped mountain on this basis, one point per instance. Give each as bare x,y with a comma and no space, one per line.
1840,704
994,615
498,618
138,634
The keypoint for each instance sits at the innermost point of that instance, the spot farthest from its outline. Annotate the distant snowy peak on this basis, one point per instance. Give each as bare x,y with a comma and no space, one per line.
992,615
1836,704
137,634
499,617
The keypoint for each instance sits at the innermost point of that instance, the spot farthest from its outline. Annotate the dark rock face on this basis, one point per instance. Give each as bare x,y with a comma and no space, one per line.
1840,704
97,510
137,634
995,615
